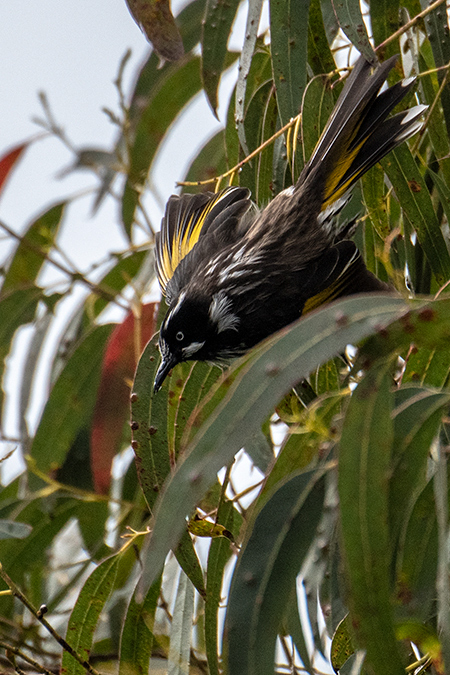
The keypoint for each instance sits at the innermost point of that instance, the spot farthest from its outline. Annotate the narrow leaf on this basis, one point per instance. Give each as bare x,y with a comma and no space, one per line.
289,47
137,636
263,377
364,457
251,33
29,256
112,405
86,613
178,85
216,28
416,203
156,21
180,635
264,578
71,401
348,14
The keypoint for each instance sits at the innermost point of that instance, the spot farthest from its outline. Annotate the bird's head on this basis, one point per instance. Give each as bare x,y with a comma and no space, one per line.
196,327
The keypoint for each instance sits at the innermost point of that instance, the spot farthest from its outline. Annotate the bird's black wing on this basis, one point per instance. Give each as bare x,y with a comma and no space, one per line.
339,271
189,218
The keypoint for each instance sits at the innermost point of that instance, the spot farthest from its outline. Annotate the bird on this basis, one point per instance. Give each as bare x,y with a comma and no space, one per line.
232,275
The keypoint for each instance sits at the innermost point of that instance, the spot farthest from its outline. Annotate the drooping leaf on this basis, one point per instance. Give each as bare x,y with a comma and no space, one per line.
219,554
416,203
289,47
17,309
86,613
384,16
364,457
137,633
264,578
417,416
245,60
156,21
348,14
320,58
112,406
216,28
438,34
177,85
249,400
180,635
29,256
71,402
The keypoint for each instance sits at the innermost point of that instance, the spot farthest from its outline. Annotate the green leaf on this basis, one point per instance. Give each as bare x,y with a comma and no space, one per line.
218,556
348,14
384,16
416,559
260,124
216,28
318,102
16,309
262,378
271,557
178,85
320,58
342,646
374,193
187,558
29,257
436,126
71,402
417,417
416,203
289,44
137,634
429,367
438,34
364,457
86,613
180,634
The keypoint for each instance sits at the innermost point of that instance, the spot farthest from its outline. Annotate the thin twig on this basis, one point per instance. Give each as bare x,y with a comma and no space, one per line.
38,615
249,157
430,112
408,25
74,275
28,659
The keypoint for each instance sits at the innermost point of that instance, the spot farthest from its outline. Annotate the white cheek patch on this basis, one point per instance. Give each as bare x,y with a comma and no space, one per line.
191,349
220,313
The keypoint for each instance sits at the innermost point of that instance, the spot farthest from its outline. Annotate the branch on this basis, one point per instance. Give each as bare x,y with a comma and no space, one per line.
38,614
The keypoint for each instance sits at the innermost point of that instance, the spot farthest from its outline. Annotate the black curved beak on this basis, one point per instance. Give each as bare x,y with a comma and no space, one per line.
166,366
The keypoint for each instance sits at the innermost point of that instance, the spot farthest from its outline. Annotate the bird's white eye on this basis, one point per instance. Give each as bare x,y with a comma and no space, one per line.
179,336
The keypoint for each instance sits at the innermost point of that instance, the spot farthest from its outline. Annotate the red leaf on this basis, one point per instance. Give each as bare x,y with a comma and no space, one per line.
113,398
8,161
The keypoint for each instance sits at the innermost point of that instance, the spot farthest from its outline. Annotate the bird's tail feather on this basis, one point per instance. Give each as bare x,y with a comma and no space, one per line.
359,132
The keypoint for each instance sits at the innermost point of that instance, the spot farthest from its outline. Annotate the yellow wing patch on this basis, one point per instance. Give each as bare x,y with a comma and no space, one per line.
178,238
